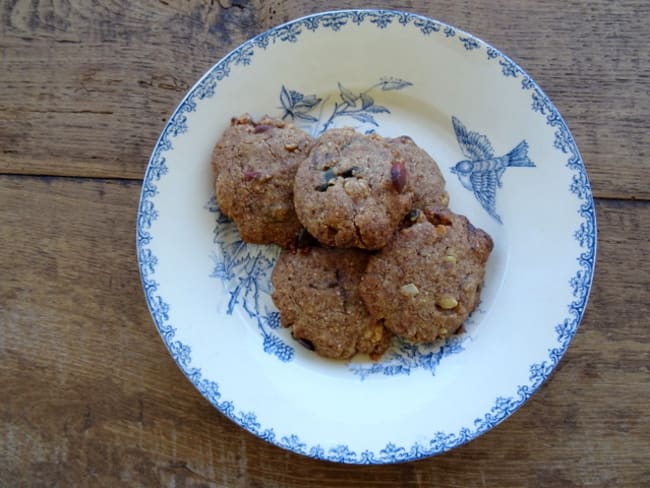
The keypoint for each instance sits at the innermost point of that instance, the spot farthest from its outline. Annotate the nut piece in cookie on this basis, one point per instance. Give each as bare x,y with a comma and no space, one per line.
316,292
425,179
350,191
255,164
427,280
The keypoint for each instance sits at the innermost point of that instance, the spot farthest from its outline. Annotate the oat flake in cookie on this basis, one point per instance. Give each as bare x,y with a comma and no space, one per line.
255,164
350,192
316,292
427,280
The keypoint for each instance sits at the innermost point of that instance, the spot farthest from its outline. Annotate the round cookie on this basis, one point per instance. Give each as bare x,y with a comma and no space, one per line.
316,292
255,164
349,192
427,280
425,179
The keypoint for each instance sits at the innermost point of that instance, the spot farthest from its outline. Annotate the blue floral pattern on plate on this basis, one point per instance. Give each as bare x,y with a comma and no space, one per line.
245,270
359,106
148,213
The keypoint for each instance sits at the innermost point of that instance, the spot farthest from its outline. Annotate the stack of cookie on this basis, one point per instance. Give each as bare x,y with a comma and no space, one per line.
371,247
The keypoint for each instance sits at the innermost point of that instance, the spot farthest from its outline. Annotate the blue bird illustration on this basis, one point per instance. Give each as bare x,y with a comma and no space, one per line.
481,172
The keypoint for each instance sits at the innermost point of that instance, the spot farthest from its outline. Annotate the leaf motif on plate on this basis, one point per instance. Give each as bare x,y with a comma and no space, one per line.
245,272
347,96
296,105
357,105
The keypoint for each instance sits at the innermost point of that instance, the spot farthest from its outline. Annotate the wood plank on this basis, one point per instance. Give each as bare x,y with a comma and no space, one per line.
87,87
91,396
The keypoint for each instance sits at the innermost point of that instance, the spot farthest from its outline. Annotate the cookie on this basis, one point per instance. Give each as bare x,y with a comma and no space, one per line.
255,164
316,291
425,179
424,284
350,192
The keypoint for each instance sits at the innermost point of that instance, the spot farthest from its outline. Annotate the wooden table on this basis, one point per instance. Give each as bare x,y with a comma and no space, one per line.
89,394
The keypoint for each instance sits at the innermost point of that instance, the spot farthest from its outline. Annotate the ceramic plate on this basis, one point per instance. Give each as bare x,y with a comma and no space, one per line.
511,166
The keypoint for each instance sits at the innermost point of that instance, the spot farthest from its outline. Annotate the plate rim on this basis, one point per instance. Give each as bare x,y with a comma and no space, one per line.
438,442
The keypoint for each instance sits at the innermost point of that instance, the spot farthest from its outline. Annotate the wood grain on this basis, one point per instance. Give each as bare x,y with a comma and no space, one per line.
90,394
88,86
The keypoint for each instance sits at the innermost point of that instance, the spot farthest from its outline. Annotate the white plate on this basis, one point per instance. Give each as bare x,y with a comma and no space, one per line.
461,100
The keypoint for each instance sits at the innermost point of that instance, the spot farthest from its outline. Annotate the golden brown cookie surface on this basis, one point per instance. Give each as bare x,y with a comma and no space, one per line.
425,179
427,280
350,192
316,290
255,164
